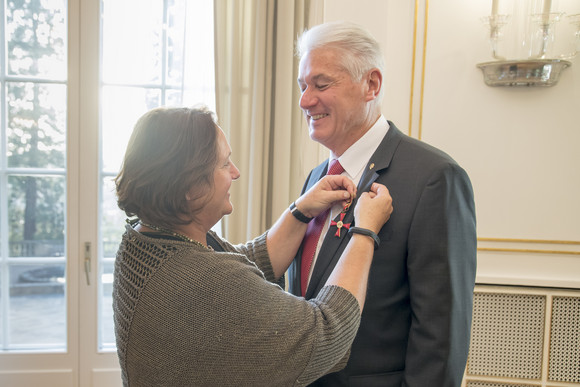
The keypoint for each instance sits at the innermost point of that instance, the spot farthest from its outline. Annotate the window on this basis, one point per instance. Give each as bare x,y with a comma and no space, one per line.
33,175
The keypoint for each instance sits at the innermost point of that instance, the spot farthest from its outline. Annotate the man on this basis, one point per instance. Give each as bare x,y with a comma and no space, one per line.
416,321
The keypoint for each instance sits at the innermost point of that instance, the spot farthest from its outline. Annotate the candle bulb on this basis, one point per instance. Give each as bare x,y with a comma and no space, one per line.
546,11
547,6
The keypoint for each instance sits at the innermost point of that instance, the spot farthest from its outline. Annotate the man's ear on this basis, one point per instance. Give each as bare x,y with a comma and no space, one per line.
374,82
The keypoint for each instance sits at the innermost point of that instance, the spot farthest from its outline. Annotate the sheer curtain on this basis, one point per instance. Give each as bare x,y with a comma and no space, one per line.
257,106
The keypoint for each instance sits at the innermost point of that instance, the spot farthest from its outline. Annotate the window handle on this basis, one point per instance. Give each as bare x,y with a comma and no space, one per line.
88,262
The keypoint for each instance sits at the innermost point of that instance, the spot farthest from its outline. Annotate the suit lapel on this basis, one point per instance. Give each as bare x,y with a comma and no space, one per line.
333,246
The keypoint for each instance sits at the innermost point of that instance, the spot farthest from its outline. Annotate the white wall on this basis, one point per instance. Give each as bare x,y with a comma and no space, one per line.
520,145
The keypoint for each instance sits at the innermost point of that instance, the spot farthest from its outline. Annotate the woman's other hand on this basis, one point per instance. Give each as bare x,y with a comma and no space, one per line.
373,208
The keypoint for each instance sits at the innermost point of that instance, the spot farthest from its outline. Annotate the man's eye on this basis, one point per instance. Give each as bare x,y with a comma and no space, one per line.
322,87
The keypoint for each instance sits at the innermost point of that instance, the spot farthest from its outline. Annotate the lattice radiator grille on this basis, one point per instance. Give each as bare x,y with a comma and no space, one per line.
507,335
491,384
529,337
565,340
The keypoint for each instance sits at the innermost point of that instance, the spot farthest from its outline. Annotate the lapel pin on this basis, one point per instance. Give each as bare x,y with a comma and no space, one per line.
372,166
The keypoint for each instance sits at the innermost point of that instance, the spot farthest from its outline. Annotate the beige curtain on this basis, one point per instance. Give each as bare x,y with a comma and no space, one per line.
257,107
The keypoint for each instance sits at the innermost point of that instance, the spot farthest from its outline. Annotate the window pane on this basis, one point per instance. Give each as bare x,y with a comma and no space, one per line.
112,227
132,38
36,125
36,216
176,41
36,38
32,175
119,117
107,328
3,309
37,307
112,219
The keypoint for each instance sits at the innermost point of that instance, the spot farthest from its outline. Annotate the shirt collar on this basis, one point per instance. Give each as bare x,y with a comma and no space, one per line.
354,159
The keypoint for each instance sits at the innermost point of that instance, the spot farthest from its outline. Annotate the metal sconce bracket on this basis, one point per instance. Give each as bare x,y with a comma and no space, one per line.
531,72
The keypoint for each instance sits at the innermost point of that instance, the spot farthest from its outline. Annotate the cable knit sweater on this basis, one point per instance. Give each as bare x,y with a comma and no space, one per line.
187,316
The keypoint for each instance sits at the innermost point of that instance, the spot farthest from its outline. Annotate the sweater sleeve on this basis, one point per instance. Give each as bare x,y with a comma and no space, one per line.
326,355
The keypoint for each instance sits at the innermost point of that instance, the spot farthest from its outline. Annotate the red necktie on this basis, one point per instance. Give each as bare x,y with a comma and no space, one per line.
313,234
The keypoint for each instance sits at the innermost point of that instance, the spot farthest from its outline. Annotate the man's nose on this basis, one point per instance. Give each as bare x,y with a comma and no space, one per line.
307,99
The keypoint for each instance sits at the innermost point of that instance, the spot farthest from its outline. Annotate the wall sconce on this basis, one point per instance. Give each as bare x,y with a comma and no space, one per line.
536,31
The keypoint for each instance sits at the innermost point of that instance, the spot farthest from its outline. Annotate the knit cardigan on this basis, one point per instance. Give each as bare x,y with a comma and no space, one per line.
188,316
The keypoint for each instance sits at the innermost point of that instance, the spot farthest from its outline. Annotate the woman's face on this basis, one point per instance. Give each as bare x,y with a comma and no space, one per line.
218,204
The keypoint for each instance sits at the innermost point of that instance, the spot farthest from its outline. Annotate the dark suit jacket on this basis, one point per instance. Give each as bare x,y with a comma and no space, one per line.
416,321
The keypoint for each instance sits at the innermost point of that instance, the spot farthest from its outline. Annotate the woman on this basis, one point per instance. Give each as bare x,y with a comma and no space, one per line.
187,313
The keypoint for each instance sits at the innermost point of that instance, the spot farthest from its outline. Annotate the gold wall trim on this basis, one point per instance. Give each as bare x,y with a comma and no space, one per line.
562,243
419,136
414,68
515,240
413,60
536,251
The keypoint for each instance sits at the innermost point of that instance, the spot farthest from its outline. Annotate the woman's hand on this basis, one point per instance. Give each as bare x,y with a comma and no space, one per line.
373,208
327,191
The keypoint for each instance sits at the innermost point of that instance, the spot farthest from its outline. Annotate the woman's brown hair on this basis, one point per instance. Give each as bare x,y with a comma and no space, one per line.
169,163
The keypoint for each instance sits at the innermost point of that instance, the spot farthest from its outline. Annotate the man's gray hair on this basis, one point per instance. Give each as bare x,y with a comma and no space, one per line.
360,51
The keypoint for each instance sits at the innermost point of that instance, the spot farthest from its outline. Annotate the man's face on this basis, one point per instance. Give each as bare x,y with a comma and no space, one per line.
335,106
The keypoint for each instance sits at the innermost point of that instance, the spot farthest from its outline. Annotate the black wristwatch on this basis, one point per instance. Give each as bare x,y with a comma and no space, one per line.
299,215
367,232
